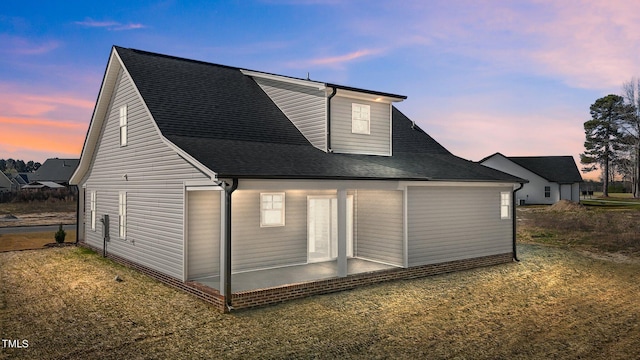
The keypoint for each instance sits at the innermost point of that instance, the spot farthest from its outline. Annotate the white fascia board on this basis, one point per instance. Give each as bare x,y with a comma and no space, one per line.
434,183
367,96
99,115
286,79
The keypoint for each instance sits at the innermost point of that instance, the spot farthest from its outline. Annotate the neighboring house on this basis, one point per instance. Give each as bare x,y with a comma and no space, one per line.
55,170
6,185
551,178
247,188
20,180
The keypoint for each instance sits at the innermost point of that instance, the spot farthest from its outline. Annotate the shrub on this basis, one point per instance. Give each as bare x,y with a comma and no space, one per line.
60,235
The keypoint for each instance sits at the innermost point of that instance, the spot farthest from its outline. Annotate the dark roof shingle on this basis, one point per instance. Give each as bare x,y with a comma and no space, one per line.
560,169
223,119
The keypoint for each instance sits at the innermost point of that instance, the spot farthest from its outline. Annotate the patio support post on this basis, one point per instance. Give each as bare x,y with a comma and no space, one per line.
223,241
226,254
342,233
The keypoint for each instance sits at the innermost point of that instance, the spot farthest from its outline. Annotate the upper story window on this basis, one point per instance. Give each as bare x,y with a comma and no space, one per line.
271,209
123,125
505,205
547,191
360,119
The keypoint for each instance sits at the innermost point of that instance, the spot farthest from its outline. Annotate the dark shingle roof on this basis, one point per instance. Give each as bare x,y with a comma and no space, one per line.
560,169
56,170
223,119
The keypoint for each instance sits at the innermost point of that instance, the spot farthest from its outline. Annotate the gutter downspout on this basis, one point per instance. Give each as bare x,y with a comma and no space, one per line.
227,270
333,93
513,218
78,214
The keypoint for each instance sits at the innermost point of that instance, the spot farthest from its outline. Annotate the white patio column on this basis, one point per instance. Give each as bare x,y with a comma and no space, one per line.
342,233
223,242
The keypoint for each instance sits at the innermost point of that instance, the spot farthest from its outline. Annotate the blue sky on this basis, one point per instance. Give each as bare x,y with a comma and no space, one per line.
515,77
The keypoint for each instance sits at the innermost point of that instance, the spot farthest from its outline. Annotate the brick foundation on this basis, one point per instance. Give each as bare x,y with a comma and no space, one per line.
255,298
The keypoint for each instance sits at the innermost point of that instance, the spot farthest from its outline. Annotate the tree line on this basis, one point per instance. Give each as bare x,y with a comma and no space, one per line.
613,137
9,165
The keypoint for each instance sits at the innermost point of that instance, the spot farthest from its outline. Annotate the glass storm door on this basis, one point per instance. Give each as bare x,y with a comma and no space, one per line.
322,227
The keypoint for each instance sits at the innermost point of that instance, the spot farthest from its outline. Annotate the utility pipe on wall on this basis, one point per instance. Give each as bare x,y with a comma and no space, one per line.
513,219
333,93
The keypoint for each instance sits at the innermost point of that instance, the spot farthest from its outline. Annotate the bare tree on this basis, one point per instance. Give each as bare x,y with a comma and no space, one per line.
630,129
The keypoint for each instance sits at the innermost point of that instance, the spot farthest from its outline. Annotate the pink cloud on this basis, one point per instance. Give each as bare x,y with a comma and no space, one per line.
339,60
585,44
42,124
46,136
20,46
591,44
18,103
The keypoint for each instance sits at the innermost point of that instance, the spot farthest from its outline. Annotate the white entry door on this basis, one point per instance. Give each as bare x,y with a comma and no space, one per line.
322,227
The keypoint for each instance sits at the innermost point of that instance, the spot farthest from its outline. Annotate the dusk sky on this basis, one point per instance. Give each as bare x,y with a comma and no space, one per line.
515,77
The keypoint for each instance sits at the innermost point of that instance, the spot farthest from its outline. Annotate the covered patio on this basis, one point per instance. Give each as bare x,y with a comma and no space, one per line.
295,274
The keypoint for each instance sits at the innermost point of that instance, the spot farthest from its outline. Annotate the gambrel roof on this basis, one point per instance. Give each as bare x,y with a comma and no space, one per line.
221,119
559,169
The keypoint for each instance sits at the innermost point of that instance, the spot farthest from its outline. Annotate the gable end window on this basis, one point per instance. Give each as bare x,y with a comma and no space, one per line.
505,205
122,215
93,210
360,119
123,125
547,191
271,209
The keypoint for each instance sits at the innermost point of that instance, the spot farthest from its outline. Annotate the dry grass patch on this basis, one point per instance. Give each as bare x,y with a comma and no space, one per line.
30,241
608,230
553,304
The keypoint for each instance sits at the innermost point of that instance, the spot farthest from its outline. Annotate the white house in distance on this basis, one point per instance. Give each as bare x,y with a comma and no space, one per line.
551,178
246,188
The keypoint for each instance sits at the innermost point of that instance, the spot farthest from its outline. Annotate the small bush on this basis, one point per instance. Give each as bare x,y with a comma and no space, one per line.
60,235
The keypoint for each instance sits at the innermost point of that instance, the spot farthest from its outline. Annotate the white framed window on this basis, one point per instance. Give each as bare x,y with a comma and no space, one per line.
92,207
123,125
271,209
547,191
505,205
122,215
360,119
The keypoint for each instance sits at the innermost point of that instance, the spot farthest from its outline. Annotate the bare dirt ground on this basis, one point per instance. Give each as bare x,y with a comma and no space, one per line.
37,213
41,218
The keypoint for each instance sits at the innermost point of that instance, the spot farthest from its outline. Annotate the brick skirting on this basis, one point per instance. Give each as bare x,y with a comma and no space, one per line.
255,298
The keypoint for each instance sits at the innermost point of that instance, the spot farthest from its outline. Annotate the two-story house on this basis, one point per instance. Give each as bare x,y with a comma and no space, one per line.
247,188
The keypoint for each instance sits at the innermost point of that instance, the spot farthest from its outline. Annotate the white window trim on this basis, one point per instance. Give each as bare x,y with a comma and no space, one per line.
356,115
267,204
92,209
123,125
505,205
122,215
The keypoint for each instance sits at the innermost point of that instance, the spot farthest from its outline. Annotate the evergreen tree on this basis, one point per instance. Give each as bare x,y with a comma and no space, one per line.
603,137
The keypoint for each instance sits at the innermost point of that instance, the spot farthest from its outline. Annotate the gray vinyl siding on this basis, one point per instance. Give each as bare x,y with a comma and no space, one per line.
453,223
154,186
255,247
378,142
379,224
203,234
305,106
